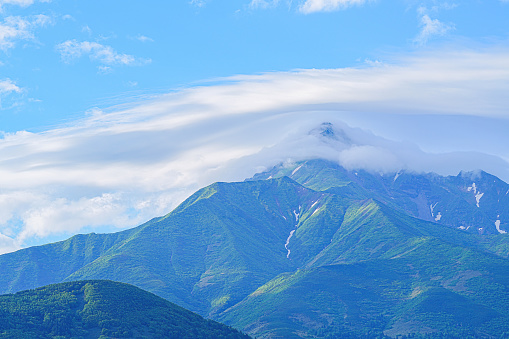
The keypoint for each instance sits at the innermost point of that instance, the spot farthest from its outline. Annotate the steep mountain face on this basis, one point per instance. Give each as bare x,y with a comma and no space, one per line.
311,250
384,275
209,253
106,309
476,202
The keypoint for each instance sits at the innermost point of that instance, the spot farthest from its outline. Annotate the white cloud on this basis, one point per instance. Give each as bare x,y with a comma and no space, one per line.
144,38
431,27
311,6
7,244
104,69
86,29
263,4
122,167
73,49
198,3
22,3
17,28
64,216
8,86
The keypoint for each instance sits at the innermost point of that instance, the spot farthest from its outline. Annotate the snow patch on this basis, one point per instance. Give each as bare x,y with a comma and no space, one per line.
478,197
396,176
288,242
439,216
297,214
472,188
478,194
497,225
431,208
316,211
295,170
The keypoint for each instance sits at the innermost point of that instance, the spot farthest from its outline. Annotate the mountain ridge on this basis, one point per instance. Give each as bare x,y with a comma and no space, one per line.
239,252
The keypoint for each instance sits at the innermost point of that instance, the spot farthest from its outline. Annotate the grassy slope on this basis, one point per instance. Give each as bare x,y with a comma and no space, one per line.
221,253
414,280
208,254
413,193
42,265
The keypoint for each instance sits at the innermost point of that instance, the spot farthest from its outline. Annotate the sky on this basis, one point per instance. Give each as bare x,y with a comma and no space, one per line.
112,113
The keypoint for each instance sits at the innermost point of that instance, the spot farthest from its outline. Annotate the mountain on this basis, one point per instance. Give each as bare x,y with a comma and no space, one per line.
476,202
209,253
382,275
311,250
98,308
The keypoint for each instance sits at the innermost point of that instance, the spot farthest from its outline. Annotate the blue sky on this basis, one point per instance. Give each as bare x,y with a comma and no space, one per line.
113,112
152,47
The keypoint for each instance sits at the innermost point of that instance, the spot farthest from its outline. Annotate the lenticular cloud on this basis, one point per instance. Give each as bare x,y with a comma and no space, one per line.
118,168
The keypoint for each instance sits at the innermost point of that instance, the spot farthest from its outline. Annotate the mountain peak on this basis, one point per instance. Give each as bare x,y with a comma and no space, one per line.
327,132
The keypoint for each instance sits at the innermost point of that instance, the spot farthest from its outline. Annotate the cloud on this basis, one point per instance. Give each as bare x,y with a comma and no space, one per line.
263,4
198,3
8,86
7,244
22,3
15,28
73,49
120,167
144,38
312,6
86,29
431,27
62,215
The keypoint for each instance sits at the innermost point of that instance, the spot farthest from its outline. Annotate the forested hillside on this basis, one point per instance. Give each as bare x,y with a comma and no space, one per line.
101,309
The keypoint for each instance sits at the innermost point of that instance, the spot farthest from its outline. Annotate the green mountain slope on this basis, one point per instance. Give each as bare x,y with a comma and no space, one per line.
337,252
101,309
209,253
476,202
413,293
43,265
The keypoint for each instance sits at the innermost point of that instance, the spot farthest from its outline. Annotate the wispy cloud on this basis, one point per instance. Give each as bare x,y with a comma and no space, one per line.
8,87
73,49
431,27
312,6
144,38
198,3
86,29
263,4
15,28
7,244
122,167
22,3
